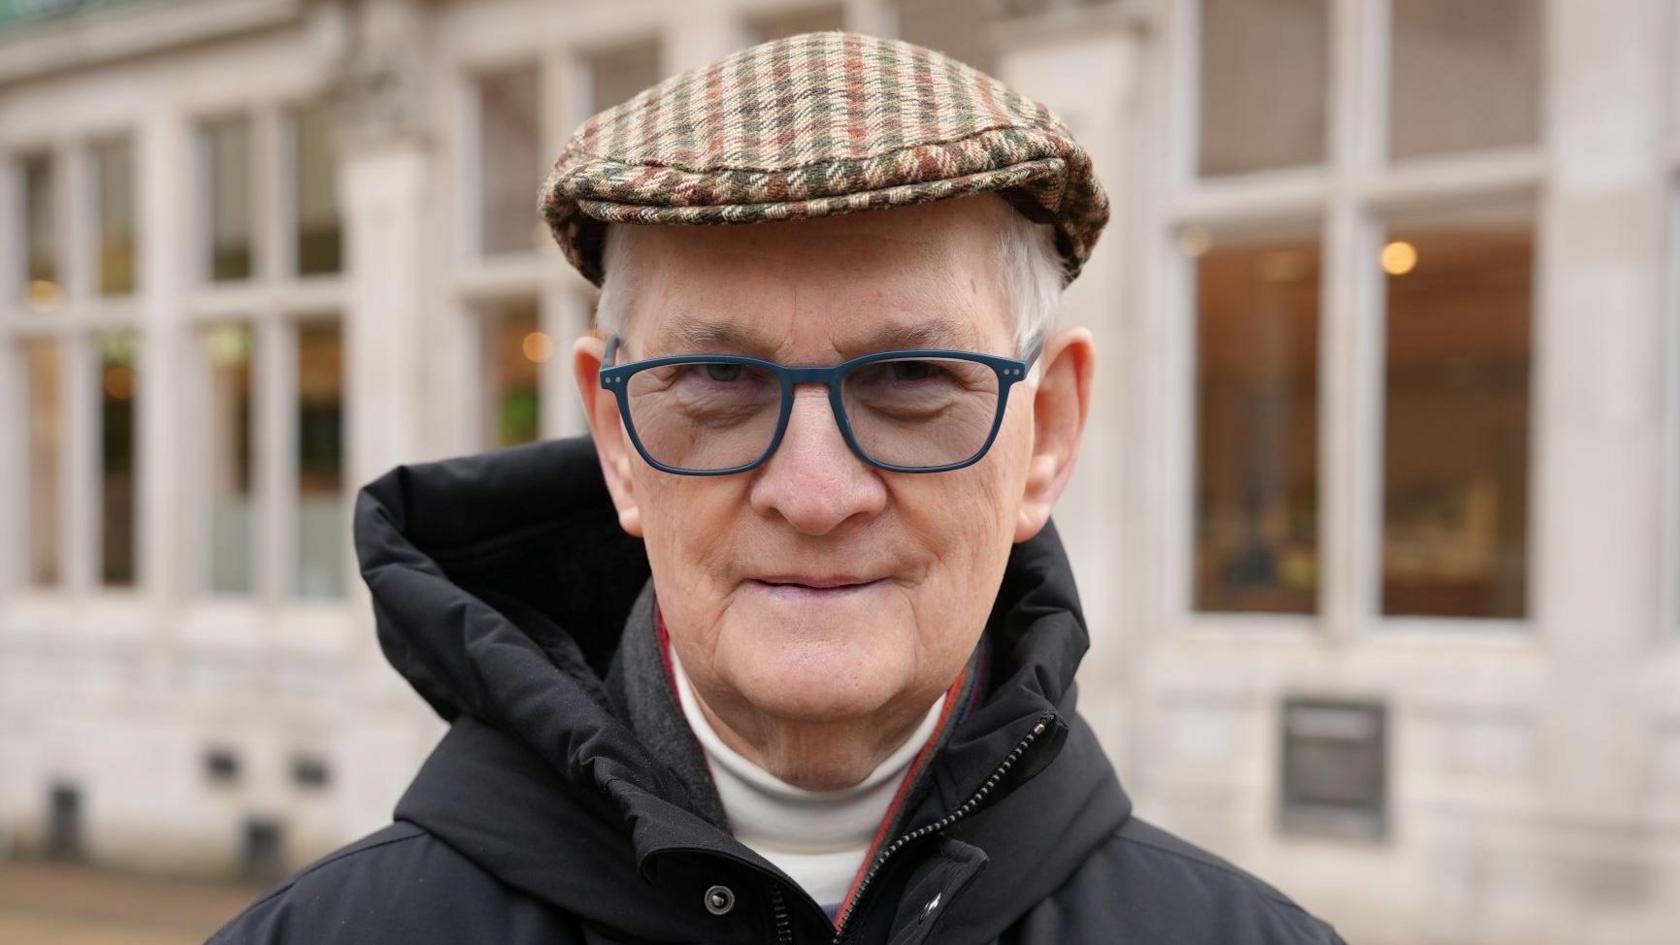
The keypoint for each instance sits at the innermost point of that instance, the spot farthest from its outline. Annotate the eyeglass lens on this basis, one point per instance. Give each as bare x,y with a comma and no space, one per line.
912,412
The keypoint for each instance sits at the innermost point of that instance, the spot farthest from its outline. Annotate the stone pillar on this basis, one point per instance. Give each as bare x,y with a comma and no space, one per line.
390,217
390,186
1084,64
1600,400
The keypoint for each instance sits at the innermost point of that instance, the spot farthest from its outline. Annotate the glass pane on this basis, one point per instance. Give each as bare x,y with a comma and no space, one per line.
1455,449
510,156
227,147
113,168
41,288
45,445
1257,425
794,22
319,233
617,74
1264,84
228,444
117,495
1466,75
322,528
515,348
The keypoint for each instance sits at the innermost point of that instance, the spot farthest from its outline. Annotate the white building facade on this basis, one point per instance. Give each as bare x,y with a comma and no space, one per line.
1377,523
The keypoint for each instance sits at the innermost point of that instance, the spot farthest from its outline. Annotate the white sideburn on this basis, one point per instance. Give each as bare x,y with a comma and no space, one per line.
818,838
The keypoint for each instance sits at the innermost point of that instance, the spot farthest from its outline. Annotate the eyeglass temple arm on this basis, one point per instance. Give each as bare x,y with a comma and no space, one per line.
611,355
1032,357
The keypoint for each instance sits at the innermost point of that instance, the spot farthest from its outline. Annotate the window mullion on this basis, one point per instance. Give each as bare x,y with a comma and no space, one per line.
1350,364
564,315
275,476
269,196
80,540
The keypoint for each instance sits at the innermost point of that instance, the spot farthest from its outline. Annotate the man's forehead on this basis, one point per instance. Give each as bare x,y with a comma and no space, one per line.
740,330
923,277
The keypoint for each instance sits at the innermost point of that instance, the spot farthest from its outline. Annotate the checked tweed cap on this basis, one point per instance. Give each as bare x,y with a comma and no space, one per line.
815,125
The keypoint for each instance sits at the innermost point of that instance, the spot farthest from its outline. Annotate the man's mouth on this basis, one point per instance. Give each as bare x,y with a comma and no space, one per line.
814,585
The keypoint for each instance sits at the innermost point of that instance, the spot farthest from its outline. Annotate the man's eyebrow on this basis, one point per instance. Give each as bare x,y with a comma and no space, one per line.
931,333
690,334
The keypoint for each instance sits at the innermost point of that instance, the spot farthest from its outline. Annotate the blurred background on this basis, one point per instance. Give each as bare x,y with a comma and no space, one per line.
1377,522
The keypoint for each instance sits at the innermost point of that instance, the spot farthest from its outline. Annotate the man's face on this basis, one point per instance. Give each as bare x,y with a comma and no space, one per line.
817,587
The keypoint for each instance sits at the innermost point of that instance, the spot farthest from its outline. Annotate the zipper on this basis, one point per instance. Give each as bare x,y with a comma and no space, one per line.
943,823
784,925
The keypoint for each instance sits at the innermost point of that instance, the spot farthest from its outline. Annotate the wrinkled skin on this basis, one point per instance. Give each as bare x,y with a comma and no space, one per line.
817,684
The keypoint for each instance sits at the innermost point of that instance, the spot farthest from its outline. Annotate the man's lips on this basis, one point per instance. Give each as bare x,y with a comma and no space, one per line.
828,583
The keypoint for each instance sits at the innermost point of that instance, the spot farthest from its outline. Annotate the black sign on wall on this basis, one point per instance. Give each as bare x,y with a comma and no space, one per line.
1335,767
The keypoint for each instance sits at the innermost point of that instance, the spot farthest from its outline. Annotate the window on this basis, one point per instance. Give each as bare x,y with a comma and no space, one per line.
1360,430
322,528
65,836
514,349
1264,76
1335,767
1455,432
113,169
510,160
229,542
78,371
117,457
221,765
1465,75
227,157
40,236
319,239
44,468
1257,423
264,856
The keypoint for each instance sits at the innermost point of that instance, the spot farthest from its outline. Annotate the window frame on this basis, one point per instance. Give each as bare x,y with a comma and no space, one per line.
271,303
1352,194
82,314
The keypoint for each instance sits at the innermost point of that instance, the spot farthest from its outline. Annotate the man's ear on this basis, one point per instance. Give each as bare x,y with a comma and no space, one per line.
612,443
1060,405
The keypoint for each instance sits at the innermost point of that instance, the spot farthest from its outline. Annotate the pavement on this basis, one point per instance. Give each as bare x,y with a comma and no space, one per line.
45,903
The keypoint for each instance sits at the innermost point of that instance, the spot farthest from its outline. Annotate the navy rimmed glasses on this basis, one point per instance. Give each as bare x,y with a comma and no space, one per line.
919,411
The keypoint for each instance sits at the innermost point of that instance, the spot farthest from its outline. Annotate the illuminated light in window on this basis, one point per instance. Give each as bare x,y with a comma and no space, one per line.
537,347
227,344
1399,258
1195,241
119,382
42,295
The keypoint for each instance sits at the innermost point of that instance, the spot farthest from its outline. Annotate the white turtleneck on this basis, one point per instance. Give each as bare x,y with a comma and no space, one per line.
818,838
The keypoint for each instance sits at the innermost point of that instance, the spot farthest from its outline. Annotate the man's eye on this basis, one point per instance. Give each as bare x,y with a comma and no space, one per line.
910,370
723,373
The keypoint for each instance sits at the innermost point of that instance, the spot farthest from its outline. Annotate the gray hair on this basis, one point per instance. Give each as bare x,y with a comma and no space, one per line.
1029,267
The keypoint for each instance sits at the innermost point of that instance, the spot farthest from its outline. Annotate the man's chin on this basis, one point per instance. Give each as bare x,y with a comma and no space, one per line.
814,690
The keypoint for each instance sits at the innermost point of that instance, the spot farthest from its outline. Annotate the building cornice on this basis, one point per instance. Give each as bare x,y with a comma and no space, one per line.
125,31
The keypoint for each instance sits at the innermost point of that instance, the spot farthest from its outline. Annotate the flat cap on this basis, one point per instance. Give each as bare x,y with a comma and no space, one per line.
816,125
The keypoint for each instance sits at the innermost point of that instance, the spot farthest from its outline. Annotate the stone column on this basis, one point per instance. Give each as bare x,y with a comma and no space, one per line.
1600,403
1083,63
389,206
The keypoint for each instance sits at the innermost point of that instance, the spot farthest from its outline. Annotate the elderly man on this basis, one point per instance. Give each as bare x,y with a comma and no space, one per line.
787,652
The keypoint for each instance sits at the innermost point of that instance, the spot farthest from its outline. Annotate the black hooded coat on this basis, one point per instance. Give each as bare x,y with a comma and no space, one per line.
501,586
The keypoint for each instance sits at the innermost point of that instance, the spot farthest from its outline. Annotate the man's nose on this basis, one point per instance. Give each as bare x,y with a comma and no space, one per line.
814,480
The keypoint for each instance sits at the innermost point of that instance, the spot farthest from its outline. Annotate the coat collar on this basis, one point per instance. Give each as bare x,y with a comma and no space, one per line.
501,585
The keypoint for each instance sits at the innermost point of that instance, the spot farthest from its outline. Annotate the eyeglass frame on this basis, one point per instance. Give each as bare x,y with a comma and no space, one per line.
616,378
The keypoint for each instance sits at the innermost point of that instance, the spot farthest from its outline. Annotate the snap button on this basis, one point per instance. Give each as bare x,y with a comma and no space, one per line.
719,900
932,904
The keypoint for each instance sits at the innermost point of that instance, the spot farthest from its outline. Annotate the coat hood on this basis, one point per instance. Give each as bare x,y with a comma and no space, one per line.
501,584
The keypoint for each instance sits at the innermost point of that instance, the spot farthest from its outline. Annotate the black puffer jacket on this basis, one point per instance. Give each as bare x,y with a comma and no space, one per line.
501,585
